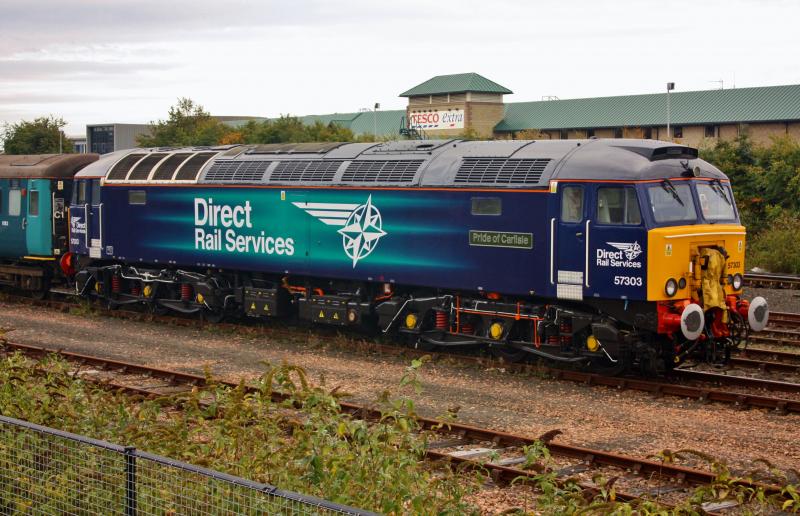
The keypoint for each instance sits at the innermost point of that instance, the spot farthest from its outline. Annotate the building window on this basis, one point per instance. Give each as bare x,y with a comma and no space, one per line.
648,133
590,133
101,139
563,134
618,132
711,131
487,206
677,131
572,204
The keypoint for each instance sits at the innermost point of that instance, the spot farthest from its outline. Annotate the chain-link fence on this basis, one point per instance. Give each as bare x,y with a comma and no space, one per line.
47,471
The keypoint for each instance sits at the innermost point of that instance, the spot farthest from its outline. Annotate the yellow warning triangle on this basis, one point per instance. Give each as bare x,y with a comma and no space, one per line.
321,314
253,306
336,316
266,308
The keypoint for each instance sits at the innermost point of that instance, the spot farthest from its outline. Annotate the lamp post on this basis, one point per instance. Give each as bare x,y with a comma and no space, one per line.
375,120
670,87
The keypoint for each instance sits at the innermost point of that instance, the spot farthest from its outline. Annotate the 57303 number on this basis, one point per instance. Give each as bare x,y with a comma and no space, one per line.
630,281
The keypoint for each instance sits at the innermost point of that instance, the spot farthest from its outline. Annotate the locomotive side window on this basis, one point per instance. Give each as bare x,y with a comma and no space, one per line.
618,206
95,192
572,204
33,203
14,202
82,192
137,197
487,206
671,203
1,201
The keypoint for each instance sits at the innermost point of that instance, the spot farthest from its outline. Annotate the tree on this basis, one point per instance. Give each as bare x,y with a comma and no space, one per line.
42,136
290,129
187,124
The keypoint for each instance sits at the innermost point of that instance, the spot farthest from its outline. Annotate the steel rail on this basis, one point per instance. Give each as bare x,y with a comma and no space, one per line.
467,433
658,388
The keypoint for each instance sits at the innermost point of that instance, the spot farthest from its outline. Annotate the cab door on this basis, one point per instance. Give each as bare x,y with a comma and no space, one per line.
79,217
95,214
39,231
569,267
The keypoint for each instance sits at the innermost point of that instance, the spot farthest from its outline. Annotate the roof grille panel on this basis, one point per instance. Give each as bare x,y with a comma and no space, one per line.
237,171
168,167
305,170
142,171
382,171
193,165
501,171
123,166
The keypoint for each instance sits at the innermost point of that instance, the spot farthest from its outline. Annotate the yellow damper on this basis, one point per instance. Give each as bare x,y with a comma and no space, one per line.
713,293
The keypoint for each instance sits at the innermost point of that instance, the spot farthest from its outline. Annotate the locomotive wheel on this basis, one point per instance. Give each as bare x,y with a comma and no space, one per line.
212,316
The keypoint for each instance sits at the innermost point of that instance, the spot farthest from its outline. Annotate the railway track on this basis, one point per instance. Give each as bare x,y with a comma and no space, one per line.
704,388
752,279
456,443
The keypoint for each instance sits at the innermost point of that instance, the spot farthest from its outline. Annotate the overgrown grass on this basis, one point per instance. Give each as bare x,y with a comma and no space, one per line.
317,450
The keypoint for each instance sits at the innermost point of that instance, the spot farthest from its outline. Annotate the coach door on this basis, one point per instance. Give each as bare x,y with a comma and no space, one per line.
568,267
95,229
12,217
39,233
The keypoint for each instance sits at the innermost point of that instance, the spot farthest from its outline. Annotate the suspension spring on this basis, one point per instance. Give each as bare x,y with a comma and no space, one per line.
467,328
116,284
441,320
135,290
565,329
186,292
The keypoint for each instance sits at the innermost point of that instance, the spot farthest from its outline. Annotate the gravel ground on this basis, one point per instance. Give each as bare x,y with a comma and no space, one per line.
629,422
778,299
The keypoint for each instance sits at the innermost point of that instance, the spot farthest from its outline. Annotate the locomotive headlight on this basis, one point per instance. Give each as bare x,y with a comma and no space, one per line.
671,288
682,283
736,281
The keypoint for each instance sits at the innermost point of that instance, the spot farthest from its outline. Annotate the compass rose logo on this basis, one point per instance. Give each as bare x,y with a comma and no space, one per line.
361,225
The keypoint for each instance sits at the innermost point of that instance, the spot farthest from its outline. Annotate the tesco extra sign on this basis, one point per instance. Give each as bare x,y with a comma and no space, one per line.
437,119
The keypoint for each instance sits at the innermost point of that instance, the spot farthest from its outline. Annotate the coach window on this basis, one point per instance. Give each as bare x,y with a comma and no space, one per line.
487,206
618,206
137,197
14,202
572,204
33,203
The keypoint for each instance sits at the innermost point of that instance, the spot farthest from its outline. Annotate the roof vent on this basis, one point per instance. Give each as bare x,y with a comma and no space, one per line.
123,166
167,169
190,169
305,170
237,171
142,170
501,171
382,171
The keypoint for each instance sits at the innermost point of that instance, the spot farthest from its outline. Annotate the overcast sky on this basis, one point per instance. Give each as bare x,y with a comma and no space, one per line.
97,61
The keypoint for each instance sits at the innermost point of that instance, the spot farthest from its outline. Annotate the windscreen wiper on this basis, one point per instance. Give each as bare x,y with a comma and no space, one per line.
669,187
716,185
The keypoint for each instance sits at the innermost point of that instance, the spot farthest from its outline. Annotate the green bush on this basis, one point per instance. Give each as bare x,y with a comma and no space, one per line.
766,184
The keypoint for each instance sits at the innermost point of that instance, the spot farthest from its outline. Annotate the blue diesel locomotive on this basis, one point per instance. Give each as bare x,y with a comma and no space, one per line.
604,253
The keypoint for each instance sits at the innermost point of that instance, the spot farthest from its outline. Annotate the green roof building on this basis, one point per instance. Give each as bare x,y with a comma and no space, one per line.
470,104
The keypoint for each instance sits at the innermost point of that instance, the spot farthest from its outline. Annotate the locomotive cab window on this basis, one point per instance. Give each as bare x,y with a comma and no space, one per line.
487,206
572,204
138,197
716,202
33,203
671,203
618,206
79,193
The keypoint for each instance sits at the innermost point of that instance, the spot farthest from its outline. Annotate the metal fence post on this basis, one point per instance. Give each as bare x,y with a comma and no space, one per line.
130,481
